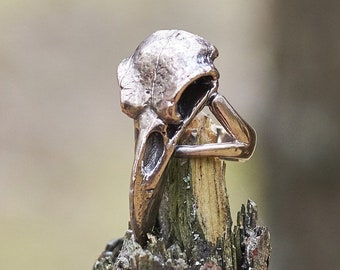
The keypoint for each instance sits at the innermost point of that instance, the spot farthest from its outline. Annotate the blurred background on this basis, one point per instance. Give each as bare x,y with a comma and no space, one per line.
66,149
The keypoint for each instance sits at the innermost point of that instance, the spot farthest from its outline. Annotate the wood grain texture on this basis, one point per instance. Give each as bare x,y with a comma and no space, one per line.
194,228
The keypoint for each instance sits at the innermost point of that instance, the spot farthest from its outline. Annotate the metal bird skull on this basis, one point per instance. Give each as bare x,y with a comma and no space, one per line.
164,84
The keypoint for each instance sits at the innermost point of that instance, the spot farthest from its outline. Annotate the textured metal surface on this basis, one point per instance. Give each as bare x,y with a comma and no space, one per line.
164,84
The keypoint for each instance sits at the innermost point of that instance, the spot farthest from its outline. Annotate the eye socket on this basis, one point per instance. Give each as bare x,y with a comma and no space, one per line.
193,94
154,150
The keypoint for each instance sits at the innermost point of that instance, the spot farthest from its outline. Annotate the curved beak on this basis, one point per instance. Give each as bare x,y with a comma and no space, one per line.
155,144
152,154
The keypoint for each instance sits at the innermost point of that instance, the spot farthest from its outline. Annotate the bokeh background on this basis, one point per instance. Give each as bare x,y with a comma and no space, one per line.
66,149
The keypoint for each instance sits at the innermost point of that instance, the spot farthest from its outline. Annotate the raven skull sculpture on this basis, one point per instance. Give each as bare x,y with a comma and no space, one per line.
164,84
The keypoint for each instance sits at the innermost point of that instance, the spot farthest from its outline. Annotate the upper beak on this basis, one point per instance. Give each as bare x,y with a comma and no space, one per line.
155,144
152,153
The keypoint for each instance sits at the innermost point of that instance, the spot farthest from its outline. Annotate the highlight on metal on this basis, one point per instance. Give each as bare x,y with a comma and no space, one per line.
164,85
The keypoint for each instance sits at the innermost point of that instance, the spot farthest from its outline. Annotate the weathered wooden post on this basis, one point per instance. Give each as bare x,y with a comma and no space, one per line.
179,209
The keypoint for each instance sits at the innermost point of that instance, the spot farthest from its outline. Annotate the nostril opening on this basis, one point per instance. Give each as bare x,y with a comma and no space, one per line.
193,94
154,148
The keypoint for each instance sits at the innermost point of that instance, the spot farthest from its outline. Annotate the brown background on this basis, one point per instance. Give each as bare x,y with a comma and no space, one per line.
66,149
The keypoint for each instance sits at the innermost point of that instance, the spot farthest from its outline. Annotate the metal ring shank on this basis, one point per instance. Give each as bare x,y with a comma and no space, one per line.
244,137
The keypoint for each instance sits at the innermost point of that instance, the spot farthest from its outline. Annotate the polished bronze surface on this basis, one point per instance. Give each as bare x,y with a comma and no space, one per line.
164,84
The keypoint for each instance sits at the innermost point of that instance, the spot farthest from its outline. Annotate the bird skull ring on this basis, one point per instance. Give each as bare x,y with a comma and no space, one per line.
164,85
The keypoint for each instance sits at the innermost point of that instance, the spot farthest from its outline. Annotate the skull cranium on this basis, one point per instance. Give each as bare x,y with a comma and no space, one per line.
164,84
